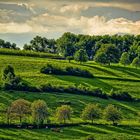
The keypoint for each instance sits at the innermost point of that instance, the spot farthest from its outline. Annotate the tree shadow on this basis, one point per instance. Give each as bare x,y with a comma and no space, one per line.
94,82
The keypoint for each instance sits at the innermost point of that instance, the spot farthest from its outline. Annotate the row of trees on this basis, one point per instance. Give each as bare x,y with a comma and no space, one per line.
103,49
7,44
21,110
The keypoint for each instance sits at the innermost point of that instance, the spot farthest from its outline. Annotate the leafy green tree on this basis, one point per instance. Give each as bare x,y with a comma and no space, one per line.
91,112
27,47
107,54
39,111
63,113
136,62
125,59
69,58
20,108
66,44
8,73
81,56
113,114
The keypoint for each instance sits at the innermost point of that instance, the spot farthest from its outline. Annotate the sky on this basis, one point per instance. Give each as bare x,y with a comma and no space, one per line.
21,20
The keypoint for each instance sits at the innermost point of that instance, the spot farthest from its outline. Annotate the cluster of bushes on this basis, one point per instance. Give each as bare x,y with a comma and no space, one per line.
21,110
82,90
13,82
121,95
29,53
52,69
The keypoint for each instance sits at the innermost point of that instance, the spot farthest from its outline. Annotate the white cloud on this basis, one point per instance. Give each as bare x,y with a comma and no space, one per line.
74,8
93,25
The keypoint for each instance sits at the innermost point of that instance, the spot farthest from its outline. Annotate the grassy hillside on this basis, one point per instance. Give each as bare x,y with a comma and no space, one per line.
129,128
106,77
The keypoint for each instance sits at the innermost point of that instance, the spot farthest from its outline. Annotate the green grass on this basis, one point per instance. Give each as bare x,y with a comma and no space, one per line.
107,77
129,129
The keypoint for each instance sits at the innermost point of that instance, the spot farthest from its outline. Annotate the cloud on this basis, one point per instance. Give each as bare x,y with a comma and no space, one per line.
74,8
96,25
100,26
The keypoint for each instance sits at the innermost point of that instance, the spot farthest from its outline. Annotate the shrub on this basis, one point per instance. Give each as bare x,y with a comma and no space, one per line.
74,90
119,95
51,69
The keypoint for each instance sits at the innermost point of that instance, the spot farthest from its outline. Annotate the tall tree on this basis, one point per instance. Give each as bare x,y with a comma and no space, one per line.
66,44
107,54
21,108
81,56
39,111
91,112
63,113
113,114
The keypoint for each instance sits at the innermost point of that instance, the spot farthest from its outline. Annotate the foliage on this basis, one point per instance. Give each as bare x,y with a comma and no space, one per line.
111,113
20,108
91,112
66,44
52,69
7,45
108,53
63,113
136,62
8,73
119,95
39,111
69,58
81,56
41,44
29,53
125,59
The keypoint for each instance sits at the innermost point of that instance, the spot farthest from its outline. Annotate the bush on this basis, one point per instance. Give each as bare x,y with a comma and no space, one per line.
119,95
74,90
51,69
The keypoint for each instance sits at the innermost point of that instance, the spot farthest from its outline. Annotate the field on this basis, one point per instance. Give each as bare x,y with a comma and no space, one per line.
106,77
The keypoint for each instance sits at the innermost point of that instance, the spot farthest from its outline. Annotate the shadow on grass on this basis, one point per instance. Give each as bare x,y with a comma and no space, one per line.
95,82
130,71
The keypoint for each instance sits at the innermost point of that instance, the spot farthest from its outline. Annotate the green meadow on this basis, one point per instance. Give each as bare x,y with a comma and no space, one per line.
106,77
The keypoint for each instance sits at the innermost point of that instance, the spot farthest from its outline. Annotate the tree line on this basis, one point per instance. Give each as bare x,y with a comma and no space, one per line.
102,49
37,112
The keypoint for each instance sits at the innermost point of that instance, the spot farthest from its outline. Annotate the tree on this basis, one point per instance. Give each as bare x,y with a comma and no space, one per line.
113,114
20,108
66,44
108,53
63,113
81,56
8,73
91,112
11,81
136,62
69,58
125,59
39,111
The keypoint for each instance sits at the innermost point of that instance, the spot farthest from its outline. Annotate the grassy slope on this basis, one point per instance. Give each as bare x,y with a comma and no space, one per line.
109,76
129,130
28,68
